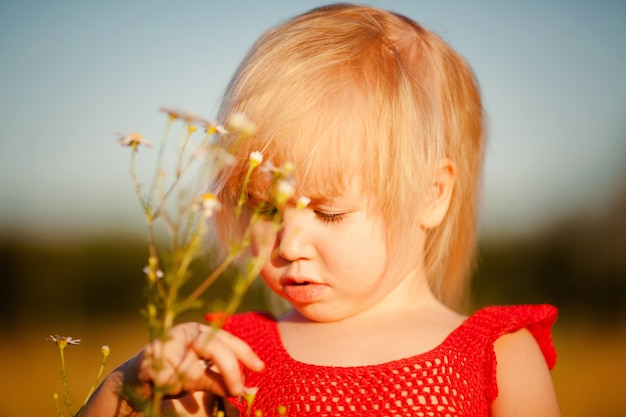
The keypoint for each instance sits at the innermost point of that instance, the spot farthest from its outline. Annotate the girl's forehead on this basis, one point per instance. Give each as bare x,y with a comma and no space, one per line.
347,194
321,184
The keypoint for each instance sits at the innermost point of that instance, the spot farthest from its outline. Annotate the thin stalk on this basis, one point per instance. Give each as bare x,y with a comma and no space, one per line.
159,162
244,187
105,355
157,400
154,256
168,321
210,279
190,129
169,191
66,391
136,183
242,285
180,170
55,398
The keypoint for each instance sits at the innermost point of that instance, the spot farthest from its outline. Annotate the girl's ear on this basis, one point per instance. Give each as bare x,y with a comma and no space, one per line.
439,194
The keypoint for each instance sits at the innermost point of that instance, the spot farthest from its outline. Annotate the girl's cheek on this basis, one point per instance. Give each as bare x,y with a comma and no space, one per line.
263,239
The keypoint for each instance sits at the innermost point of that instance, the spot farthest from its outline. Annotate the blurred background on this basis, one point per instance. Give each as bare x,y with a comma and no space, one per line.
72,245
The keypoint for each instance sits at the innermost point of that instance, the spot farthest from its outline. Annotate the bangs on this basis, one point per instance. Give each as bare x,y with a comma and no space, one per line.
325,138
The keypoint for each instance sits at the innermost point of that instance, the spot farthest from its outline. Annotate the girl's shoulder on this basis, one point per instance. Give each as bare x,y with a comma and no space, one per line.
522,350
499,333
490,323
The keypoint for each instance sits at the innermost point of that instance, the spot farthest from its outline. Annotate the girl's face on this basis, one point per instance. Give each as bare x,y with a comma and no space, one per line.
330,260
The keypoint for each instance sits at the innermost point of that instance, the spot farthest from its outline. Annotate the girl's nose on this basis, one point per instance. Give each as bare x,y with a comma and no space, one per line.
294,239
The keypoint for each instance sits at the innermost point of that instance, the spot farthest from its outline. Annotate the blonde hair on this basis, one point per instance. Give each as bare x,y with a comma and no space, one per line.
348,92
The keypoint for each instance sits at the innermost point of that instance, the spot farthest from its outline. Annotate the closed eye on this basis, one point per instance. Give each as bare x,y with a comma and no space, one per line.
267,210
330,217
263,208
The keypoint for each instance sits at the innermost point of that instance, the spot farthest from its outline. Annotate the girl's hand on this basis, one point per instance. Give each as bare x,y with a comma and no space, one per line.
195,357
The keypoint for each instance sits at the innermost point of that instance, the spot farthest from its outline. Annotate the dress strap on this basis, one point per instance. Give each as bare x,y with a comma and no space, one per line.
496,321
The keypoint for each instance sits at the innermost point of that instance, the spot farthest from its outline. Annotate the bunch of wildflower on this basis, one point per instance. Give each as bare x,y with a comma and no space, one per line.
185,220
63,342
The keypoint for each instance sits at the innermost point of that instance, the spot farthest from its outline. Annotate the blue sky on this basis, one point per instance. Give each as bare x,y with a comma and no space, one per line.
73,73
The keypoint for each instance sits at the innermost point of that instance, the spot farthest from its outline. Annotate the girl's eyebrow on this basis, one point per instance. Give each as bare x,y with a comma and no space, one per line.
320,201
250,195
334,200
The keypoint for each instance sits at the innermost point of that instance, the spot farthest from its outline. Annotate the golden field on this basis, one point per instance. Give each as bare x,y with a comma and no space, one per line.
590,375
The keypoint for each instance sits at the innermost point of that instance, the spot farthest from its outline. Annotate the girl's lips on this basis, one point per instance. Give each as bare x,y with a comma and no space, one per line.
302,290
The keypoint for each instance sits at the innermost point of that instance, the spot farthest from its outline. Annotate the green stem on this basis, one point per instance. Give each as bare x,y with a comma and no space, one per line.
243,284
168,321
55,397
182,150
180,171
136,183
66,391
171,188
244,192
157,400
98,376
200,289
159,163
154,256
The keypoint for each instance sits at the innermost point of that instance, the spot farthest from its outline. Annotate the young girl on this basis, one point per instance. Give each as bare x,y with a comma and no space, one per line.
383,122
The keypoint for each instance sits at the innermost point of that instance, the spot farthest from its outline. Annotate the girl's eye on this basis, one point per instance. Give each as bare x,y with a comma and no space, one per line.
267,210
263,208
330,217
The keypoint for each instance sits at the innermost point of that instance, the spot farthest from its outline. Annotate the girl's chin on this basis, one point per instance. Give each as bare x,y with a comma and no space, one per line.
316,313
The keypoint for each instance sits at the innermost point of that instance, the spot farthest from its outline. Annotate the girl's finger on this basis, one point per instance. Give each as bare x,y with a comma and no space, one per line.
243,351
213,382
226,363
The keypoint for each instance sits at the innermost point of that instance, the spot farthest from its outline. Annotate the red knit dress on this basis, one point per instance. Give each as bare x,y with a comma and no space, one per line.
455,379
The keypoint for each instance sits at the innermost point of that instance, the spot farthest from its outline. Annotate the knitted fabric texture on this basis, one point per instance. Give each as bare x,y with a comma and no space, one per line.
455,379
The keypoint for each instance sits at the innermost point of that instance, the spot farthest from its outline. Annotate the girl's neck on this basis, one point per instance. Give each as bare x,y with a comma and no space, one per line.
371,337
